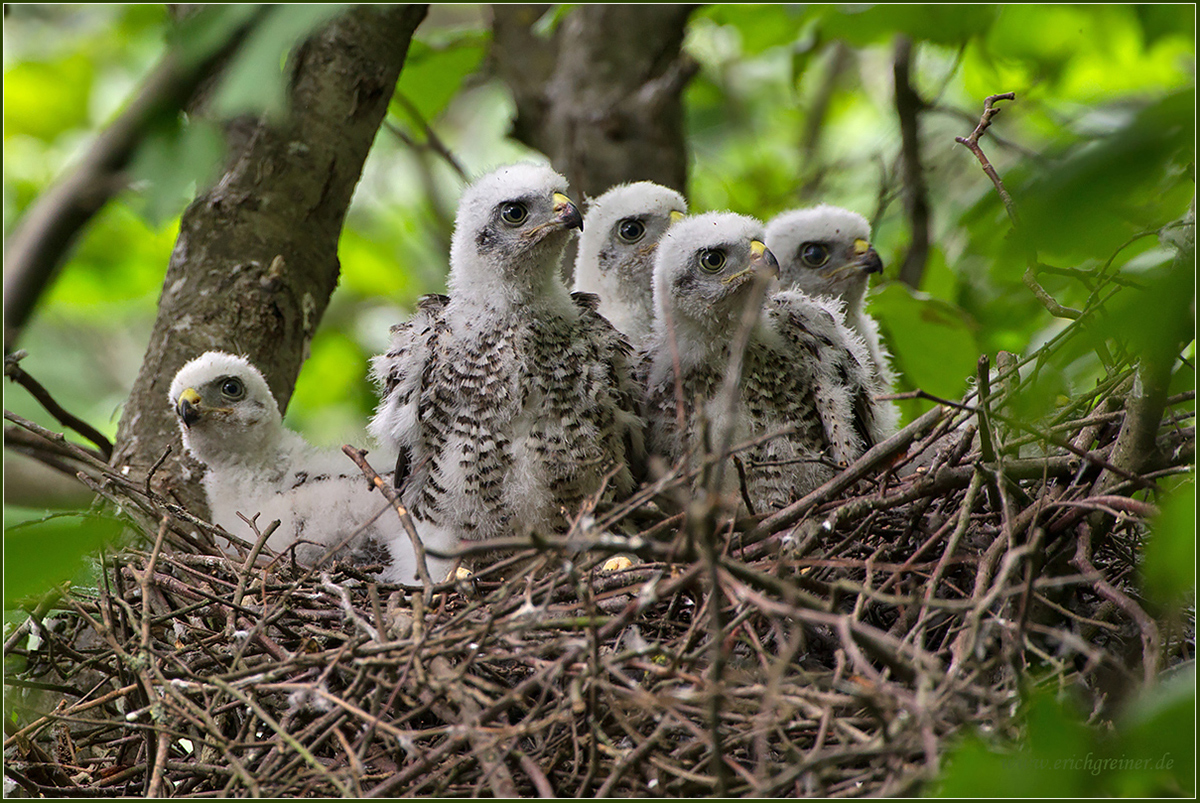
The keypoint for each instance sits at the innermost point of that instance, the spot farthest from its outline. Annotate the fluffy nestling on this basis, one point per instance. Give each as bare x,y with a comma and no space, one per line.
510,399
805,374
616,252
230,422
826,251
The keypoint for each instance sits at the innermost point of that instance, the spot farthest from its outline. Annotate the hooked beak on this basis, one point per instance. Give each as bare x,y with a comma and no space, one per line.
865,257
566,213
675,215
763,265
188,407
762,261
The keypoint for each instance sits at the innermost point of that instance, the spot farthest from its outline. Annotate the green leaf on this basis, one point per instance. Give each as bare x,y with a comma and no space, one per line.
432,76
172,163
547,24
760,26
1157,740
932,341
1157,319
1046,37
1161,20
942,24
45,98
199,35
40,555
1102,192
939,281
1048,762
1169,566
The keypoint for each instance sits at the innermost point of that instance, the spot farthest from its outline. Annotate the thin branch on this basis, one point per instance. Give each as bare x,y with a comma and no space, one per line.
1151,640
13,371
432,140
1048,301
972,143
359,456
990,110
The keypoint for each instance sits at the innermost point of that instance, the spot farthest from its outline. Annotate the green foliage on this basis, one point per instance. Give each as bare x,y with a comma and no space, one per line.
42,553
1156,318
1151,752
1102,192
203,33
933,341
172,163
759,26
34,103
333,392
255,81
1169,568
434,73
937,24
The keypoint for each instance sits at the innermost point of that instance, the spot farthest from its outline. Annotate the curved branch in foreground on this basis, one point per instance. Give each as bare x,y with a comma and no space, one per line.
13,370
46,232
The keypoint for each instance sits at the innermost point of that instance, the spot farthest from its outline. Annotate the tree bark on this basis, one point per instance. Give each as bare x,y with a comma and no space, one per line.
602,98
256,259
916,195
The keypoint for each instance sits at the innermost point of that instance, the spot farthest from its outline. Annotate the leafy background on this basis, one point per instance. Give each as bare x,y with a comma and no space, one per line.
1097,150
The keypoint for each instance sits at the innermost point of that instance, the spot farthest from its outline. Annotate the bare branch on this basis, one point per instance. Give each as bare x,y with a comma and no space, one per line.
359,457
14,372
972,142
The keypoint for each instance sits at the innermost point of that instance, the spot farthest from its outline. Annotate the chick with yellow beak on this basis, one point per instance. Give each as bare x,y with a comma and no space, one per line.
255,469
615,259
827,251
805,394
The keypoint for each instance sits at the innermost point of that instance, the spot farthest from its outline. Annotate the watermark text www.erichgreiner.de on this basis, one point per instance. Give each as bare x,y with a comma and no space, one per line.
1091,763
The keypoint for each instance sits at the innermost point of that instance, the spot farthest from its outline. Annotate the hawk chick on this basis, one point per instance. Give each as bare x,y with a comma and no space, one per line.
826,251
510,399
805,388
616,252
230,422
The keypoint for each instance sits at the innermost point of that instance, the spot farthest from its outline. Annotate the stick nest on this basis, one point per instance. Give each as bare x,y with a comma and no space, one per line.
836,648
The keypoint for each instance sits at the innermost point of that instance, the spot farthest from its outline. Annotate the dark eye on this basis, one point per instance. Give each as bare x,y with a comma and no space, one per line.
513,213
712,260
814,254
232,388
631,230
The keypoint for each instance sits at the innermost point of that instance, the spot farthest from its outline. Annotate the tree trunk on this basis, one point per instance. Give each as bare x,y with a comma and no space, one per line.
256,259
603,97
